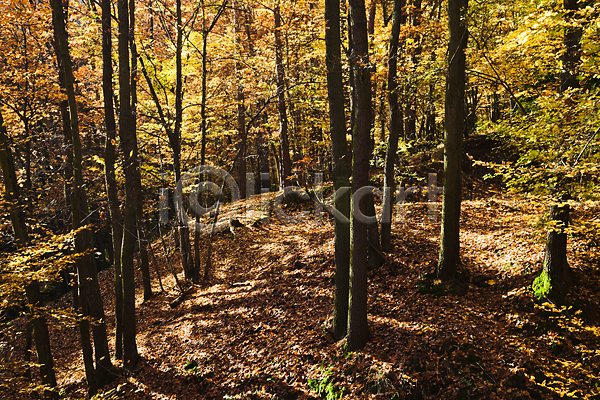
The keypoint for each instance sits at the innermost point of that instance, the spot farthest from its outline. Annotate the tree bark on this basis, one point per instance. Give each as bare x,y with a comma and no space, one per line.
556,278
284,142
11,187
83,323
358,332
449,257
241,108
116,219
396,129
410,130
340,172
139,212
130,165
86,268
175,141
42,340
205,33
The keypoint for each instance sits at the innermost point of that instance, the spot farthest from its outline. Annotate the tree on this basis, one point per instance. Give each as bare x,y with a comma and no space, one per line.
340,171
285,169
240,98
358,331
11,187
90,298
139,211
396,127
203,126
26,85
130,165
555,279
109,171
32,288
455,126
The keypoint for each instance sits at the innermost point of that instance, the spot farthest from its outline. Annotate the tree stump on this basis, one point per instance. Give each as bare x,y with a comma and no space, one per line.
555,279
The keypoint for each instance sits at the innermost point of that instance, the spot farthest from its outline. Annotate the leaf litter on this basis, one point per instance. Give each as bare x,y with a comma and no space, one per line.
260,328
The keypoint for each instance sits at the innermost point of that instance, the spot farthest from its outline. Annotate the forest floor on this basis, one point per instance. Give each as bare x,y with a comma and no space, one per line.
260,328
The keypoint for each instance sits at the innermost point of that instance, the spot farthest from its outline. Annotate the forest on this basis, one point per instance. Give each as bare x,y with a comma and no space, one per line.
318,199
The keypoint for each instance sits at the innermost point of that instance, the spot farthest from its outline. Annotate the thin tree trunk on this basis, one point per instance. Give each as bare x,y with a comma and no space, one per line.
86,342
358,331
175,141
449,257
203,102
83,323
284,143
129,150
241,109
139,212
396,128
197,236
205,32
116,219
86,265
337,127
11,187
410,130
42,340
382,113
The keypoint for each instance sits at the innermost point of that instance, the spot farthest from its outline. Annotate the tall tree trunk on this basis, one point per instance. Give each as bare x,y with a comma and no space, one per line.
86,266
358,331
130,165
203,101
337,127
175,142
284,143
383,110
79,306
67,144
116,219
139,211
455,124
205,31
410,130
396,128
430,116
241,108
32,289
